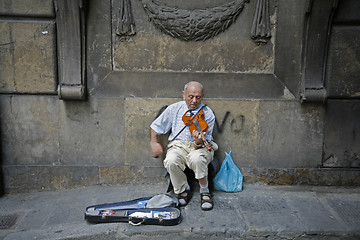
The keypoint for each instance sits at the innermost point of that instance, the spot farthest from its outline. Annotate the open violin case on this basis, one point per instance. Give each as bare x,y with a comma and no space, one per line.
158,210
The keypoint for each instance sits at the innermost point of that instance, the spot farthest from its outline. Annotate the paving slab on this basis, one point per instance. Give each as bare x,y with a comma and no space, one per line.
258,212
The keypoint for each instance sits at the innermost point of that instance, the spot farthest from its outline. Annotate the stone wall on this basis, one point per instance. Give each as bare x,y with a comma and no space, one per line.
50,144
28,47
58,144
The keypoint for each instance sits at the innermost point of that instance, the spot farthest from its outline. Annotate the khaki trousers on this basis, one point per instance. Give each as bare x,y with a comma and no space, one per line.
181,154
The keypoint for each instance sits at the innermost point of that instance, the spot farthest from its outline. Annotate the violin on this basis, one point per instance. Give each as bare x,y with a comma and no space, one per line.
197,123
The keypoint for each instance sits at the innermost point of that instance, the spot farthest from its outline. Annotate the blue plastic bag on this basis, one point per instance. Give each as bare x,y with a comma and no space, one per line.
229,177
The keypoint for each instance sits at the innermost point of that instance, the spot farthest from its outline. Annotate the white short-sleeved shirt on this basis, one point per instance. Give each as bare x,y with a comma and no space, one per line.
171,119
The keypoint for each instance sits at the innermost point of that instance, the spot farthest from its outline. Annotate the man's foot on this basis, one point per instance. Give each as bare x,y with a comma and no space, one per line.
206,201
184,197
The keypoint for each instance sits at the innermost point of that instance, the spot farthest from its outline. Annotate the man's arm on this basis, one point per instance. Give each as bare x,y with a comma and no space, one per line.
210,120
156,147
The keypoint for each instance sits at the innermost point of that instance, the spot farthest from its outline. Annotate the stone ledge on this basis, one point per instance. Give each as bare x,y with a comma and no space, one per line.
303,176
48,178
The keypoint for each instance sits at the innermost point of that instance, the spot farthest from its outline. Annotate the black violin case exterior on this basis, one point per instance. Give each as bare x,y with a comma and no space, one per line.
157,210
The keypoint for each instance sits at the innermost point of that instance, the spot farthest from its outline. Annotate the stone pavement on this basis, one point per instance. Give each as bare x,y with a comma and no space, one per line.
258,212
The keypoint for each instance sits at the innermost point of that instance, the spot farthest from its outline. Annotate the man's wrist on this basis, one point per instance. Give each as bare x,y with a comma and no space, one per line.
154,142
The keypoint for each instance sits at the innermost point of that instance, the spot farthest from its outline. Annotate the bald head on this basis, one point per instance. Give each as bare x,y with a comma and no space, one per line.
193,84
193,94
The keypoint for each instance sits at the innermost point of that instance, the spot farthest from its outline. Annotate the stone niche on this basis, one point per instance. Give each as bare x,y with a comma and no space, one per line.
152,50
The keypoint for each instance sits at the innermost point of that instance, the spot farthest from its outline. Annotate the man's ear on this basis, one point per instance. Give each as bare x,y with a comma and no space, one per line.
183,95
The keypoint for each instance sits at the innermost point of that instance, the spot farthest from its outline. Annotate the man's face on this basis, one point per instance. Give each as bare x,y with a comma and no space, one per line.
193,96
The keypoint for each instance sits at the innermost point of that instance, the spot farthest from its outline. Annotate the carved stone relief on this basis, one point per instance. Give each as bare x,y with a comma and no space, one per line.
210,36
260,30
197,24
193,25
126,23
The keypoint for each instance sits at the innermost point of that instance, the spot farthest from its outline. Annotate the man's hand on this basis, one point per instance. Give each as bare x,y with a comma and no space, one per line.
156,148
197,137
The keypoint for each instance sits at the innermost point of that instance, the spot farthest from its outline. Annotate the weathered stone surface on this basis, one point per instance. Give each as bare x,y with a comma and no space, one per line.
27,178
225,211
289,39
152,50
50,144
347,206
139,115
236,130
343,66
302,176
66,177
114,175
32,152
27,7
318,218
341,144
92,132
327,176
230,86
29,130
104,82
38,178
268,175
148,174
27,55
290,134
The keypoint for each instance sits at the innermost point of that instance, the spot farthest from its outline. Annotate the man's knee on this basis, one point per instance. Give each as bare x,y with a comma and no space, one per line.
199,163
200,157
173,161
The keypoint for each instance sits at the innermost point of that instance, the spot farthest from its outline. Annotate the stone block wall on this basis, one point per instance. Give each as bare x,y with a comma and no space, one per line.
28,47
50,144
56,144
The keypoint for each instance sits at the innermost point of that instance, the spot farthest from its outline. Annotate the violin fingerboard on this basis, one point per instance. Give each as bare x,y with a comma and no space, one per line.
196,123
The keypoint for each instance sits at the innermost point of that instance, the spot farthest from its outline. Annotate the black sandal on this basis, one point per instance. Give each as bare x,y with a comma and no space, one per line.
203,200
186,198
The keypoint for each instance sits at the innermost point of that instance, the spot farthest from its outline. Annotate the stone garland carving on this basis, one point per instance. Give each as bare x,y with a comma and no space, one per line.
193,25
198,24
126,24
260,30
